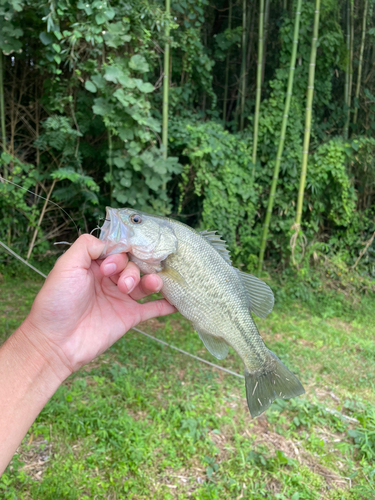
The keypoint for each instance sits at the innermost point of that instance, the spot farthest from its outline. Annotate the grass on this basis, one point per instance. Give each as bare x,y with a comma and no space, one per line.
144,421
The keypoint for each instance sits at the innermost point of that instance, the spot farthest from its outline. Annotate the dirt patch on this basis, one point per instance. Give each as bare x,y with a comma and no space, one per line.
36,454
339,324
294,450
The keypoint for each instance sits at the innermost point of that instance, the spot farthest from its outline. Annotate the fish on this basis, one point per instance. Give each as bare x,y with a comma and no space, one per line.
200,281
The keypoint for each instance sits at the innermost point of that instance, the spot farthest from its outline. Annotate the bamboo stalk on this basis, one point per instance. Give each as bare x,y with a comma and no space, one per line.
349,64
347,36
266,22
243,66
40,219
309,101
2,111
259,82
166,84
360,63
227,67
280,149
166,88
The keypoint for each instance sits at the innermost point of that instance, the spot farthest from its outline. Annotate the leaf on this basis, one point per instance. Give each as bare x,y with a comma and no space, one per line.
57,58
119,162
110,13
56,47
112,73
99,81
6,158
101,107
145,86
100,19
90,86
121,97
45,38
138,63
127,82
126,134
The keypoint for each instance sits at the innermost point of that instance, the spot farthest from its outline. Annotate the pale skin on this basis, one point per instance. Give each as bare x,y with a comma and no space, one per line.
84,307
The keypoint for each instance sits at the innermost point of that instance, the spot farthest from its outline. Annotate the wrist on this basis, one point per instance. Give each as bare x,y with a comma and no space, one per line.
27,382
39,362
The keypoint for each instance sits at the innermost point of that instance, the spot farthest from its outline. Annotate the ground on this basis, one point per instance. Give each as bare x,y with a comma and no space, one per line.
144,421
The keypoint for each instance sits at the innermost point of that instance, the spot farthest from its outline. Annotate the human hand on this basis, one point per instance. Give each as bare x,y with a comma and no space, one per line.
86,305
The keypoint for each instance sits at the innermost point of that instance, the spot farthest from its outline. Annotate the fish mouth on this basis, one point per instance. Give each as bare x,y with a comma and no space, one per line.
114,233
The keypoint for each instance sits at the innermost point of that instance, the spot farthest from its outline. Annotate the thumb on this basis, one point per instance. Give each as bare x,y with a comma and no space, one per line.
83,251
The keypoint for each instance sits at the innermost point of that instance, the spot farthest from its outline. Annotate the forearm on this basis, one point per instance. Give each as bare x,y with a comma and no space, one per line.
27,381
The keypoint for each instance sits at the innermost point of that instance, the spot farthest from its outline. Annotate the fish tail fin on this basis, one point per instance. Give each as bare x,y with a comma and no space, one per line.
263,387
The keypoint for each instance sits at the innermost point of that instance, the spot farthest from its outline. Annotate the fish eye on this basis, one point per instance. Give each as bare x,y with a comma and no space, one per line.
136,219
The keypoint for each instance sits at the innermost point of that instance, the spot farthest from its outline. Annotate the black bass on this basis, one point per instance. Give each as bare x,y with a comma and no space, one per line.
200,281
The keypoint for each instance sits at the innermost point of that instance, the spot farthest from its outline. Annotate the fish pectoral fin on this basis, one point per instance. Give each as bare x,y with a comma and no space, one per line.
215,345
260,294
172,274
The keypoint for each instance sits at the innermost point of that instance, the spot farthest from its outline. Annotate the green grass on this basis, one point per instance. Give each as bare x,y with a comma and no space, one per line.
144,421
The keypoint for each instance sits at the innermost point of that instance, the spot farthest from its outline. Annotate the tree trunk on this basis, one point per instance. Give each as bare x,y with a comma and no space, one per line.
280,149
360,63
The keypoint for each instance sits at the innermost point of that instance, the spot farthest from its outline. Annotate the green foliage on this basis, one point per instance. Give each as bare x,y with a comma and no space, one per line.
218,164
91,119
10,30
17,212
329,185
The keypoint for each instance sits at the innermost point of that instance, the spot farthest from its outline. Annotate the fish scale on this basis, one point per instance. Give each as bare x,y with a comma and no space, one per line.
199,280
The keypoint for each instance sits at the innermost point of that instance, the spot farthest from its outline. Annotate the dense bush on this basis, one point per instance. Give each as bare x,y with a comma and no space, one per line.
83,107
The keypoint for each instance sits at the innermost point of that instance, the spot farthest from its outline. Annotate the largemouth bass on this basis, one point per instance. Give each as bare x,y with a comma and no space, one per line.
200,281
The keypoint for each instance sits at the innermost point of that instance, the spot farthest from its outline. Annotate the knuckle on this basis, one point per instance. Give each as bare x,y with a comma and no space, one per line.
86,238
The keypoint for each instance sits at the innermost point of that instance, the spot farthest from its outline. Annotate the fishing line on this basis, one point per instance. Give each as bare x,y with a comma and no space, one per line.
186,353
40,196
21,259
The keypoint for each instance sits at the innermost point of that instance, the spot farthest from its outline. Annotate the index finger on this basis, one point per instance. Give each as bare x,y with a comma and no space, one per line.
83,251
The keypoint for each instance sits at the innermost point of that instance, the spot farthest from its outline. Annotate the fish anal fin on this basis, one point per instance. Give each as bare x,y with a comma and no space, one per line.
263,387
260,294
215,345
218,244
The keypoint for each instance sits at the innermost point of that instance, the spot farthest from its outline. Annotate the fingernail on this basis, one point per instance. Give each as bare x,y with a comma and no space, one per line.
129,283
109,268
160,285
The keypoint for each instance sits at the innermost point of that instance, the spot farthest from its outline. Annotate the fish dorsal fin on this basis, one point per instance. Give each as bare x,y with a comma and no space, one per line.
219,245
260,294
215,345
